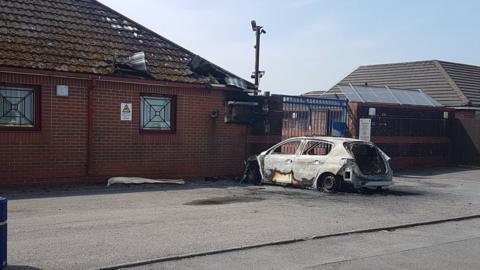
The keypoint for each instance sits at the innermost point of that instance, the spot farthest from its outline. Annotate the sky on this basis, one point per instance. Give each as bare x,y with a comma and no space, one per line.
313,44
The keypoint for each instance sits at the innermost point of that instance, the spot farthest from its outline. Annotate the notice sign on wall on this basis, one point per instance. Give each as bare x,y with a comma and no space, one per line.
365,129
126,112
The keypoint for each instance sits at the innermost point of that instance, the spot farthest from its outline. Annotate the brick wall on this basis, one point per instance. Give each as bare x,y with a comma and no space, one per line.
59,152
459,114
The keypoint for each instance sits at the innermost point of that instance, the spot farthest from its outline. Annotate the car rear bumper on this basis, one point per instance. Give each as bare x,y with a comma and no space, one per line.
360,181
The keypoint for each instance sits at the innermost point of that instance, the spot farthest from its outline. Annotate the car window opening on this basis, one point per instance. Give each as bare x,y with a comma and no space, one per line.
317,148
289,148
368,159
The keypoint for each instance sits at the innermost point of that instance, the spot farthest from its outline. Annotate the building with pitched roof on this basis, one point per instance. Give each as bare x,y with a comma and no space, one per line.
86,93
452,84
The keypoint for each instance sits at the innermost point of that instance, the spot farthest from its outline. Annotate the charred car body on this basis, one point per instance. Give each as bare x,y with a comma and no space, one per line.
323,163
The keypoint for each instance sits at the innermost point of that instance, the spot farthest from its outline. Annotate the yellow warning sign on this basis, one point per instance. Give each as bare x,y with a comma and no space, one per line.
126,111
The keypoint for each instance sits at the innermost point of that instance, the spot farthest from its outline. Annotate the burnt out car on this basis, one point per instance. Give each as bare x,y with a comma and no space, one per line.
323,163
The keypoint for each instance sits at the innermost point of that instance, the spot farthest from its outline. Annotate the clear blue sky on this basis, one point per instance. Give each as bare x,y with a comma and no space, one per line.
312,44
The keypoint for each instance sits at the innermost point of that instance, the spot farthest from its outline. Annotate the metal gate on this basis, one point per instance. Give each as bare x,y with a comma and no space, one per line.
308,116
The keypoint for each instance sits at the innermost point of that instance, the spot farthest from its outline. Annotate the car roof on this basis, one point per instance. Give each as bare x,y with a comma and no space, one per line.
330,139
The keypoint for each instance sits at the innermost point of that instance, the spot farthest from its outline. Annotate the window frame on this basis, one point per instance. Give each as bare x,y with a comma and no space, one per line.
316,141
173,114
271,151
36,89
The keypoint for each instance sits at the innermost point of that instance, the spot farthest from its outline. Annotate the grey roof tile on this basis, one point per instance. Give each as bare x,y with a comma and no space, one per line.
86,36
451,84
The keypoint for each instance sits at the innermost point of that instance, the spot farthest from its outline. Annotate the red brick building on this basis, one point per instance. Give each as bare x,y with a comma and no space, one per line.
66,75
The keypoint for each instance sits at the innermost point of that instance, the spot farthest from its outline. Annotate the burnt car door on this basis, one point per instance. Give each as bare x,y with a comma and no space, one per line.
309,162
278,163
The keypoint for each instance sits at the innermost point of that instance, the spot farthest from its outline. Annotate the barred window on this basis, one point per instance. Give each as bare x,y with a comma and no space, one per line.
157,113
19,107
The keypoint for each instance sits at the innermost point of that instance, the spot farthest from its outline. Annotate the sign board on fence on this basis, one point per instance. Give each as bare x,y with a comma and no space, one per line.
365,129
126,112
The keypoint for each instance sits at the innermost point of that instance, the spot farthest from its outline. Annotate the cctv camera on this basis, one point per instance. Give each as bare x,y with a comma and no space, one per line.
254,25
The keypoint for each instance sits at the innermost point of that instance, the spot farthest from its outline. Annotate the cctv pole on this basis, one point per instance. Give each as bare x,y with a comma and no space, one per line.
257,74
257,59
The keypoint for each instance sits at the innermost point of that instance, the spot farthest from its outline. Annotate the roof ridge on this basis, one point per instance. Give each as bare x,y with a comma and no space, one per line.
451,82
399,63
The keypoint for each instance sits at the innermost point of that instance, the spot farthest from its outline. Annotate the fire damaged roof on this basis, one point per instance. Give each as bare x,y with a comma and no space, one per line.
86,36
451,84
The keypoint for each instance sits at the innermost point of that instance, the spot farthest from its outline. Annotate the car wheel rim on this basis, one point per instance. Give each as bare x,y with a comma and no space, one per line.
329,182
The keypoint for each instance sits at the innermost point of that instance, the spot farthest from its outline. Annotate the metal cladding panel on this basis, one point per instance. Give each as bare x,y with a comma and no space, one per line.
387,95
350,94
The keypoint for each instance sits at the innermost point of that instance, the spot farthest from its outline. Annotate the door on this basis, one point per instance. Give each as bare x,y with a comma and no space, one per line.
278,163
310,161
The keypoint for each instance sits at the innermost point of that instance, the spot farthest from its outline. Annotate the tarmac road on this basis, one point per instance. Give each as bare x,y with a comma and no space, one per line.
451,245
96,227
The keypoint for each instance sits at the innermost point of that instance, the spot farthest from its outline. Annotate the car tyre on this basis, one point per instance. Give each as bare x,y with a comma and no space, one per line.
330,183
253,176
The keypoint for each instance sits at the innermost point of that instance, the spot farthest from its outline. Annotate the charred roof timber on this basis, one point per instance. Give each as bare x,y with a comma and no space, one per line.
203,67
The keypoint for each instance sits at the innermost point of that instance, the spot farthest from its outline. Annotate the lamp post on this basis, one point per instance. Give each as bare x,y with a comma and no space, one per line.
257,74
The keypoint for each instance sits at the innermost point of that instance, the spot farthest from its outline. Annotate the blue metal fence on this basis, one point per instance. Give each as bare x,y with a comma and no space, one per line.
308,116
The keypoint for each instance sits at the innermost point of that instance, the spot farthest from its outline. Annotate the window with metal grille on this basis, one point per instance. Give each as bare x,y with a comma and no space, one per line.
157,113
19,107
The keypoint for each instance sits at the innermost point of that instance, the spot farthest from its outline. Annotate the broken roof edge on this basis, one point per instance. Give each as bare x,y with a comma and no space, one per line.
110,78
173,43
230,79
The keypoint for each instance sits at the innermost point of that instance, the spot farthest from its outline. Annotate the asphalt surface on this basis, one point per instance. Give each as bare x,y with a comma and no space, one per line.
452,245
96,227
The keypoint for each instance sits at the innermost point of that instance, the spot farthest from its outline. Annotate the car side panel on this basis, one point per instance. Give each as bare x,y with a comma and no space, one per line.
307,167
278,168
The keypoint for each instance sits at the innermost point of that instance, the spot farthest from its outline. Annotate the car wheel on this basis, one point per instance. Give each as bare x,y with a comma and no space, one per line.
253,175
330,183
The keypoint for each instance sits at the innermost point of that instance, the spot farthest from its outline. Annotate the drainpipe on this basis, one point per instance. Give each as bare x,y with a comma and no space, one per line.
90,89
